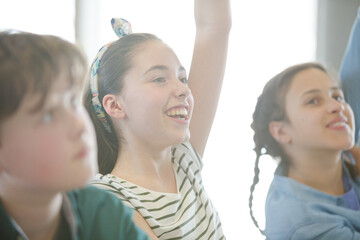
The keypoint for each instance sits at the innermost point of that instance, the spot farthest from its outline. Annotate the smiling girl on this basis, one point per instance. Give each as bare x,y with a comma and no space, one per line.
302,119
140,101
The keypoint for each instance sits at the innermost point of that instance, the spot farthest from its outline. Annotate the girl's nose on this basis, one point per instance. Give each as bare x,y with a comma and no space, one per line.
335,106
182,90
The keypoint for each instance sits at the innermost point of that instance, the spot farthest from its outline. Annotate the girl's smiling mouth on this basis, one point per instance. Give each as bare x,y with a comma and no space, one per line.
180,113
339,123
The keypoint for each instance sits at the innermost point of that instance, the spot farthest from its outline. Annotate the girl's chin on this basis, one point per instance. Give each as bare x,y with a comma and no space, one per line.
182,139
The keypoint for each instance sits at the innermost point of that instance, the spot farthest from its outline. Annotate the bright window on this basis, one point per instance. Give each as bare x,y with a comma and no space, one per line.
39,16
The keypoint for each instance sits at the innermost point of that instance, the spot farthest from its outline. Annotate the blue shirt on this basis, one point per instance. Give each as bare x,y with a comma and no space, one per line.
350,197
350,73
297,211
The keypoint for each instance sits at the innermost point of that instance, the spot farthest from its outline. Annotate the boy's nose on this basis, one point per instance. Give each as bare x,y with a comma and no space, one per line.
77,122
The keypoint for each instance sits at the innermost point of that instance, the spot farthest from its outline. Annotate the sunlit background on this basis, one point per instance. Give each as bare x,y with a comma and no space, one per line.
266,37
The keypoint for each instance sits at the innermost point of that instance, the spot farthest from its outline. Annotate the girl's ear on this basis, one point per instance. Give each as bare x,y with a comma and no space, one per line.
278,132
113,107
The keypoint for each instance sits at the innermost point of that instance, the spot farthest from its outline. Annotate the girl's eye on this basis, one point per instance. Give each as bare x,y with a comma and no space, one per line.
339,98
159,80
184,80
313,101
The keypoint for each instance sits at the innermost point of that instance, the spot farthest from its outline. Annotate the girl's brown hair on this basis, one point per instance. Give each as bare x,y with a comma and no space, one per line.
113,66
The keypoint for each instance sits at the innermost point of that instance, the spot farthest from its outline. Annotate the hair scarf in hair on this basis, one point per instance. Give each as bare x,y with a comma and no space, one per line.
122,28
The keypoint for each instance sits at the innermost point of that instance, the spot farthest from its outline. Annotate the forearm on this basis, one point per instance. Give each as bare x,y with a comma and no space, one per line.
213,15
213,24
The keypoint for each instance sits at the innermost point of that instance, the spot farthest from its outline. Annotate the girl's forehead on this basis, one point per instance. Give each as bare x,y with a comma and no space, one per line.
154,53
153,49
311,79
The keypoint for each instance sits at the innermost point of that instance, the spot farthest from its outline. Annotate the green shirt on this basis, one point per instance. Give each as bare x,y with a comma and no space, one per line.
88,213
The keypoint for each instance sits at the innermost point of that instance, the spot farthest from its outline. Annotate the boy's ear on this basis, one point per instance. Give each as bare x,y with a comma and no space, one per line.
113,107
278,132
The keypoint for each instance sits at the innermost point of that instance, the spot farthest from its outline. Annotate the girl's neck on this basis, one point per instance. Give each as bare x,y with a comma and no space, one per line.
38,216
322,171
146,167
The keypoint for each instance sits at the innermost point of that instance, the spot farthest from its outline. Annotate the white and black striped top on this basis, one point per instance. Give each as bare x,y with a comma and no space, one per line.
188,214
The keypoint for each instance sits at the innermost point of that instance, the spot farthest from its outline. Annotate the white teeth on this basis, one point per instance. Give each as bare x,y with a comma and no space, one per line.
338,124
178,113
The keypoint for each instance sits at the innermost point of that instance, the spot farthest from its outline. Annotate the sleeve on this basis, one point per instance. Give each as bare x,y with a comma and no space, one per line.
325,230
105,183
350,73
188,148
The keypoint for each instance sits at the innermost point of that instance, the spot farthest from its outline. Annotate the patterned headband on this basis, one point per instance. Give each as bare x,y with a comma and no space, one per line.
122,28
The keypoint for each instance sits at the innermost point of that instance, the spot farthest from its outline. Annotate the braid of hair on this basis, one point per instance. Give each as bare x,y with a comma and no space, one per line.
252,188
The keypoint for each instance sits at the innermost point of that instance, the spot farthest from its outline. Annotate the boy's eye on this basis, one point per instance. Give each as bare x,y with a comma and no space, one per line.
75,101
47,117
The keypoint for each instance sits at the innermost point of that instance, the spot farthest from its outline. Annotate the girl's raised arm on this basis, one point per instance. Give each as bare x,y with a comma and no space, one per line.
213,24
350,81
350,72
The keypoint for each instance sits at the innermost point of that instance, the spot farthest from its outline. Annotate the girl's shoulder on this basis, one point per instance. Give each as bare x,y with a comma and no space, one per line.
185,154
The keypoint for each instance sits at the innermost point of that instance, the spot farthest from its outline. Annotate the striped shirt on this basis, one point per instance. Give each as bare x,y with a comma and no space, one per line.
188,214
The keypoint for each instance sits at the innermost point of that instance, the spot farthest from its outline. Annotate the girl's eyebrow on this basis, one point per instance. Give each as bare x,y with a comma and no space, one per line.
156,67
335,88
311,92
163,68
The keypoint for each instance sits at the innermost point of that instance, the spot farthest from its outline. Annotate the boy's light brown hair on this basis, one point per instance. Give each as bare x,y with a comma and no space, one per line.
31,64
